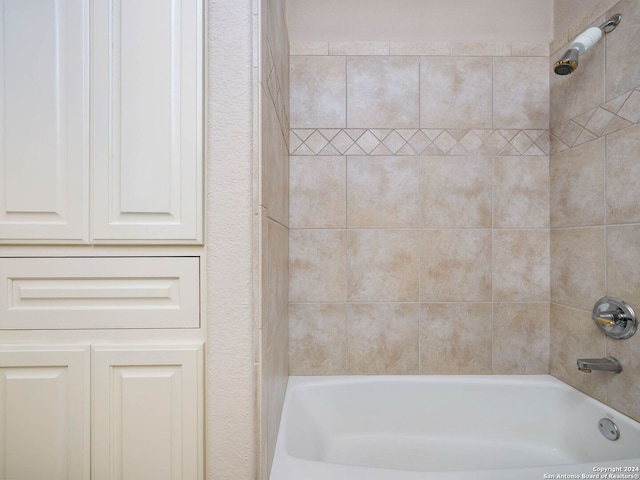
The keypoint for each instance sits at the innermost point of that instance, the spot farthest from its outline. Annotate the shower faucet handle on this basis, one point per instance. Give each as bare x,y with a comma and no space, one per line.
610,318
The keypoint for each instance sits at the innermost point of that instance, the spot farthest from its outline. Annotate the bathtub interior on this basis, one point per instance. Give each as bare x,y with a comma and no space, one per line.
449,423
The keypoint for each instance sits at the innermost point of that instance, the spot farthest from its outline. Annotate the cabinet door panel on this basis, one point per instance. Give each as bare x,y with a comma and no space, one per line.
43,117
146,413
44,408
147,155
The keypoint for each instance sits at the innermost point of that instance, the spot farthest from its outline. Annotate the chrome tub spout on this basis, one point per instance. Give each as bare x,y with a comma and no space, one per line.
607,364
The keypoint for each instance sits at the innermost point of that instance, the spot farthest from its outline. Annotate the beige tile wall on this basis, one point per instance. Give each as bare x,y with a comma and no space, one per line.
595,207
272,214
419,208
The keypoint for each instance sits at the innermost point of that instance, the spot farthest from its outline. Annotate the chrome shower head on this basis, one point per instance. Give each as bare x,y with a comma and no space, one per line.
568,63
583,42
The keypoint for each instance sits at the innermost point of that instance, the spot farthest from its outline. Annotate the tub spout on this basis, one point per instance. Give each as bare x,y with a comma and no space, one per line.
607,364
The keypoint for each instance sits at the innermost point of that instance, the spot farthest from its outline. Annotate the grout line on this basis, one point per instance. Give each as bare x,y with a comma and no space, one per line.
493,300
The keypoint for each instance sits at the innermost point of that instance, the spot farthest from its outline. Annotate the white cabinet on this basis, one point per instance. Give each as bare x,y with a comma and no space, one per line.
44,413
146,63
144,411
43,120
101,121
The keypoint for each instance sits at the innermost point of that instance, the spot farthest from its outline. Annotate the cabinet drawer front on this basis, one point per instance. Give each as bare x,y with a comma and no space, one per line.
91,293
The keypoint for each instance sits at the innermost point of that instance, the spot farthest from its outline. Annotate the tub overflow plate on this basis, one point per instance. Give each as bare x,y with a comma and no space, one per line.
608,429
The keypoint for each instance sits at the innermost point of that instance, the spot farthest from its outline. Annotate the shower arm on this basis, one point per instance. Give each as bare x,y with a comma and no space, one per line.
583,42
611,24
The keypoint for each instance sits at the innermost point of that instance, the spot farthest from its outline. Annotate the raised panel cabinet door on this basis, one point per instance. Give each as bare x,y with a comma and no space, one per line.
44,413
147,413
44,130
146,134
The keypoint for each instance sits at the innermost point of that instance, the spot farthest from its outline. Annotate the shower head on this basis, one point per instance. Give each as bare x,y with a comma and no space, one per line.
583,42
568,63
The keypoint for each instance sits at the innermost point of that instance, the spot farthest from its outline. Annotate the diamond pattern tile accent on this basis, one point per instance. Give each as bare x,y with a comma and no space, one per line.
368,141
631,108
316,142
445,141
427,142
471,141
394,142
599,121
615,105
521,142
342,142
419,141
609,117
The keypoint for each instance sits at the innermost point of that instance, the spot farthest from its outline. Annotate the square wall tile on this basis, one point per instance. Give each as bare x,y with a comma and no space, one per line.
521,338
318,192
623,50
382,265
455,338
455,266
623,252
318,92
383,192
274,168
520,92
275,277
455,192
383,92
623,172
317,266
574,336
456,92
383,338
275,376
521,192
578,266
577,185
521,266
317,339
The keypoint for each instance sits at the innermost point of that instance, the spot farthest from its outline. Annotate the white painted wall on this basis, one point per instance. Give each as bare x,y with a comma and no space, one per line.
421,20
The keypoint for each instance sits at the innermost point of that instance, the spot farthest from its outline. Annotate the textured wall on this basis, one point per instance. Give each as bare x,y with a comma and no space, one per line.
595,208
419,216
230,390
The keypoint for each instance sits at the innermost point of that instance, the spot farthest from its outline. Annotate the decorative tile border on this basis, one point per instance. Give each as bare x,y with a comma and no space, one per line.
273,85
619,113
466,49
353,141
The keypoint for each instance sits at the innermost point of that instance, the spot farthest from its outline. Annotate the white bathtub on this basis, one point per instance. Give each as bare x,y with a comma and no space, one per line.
448,427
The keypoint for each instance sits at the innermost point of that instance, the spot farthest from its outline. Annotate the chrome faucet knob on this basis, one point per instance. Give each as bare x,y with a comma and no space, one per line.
615,317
